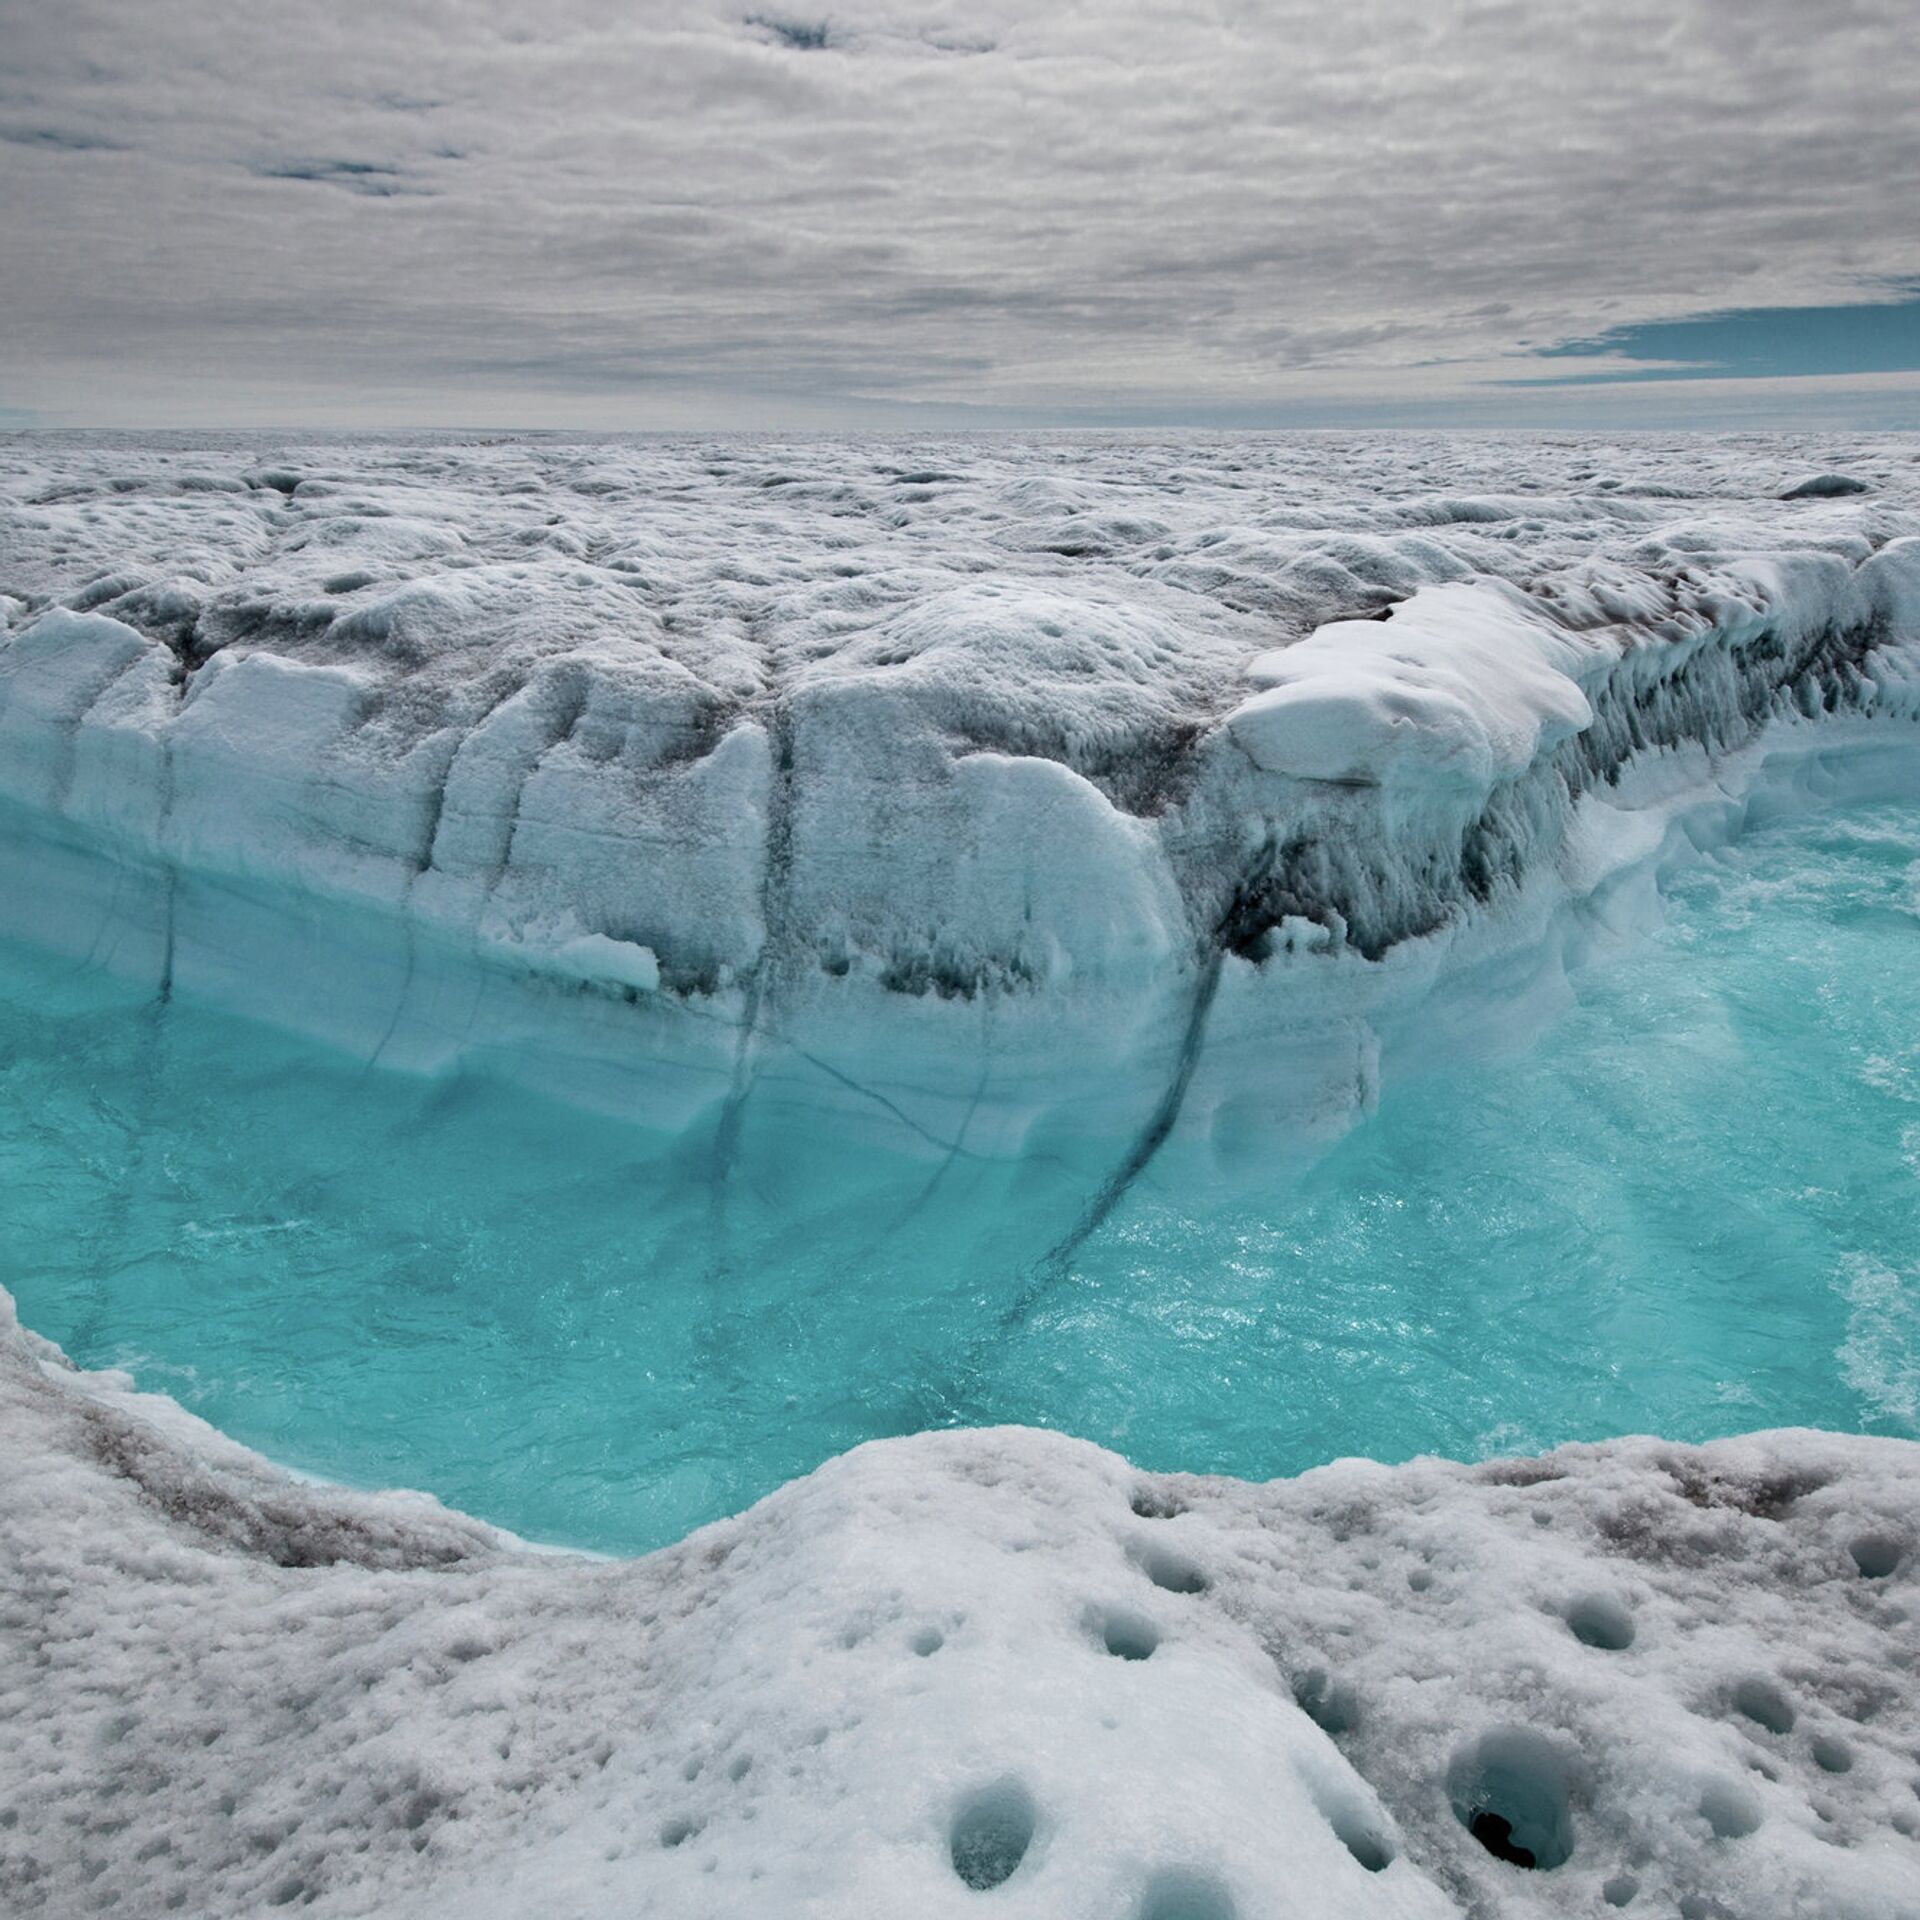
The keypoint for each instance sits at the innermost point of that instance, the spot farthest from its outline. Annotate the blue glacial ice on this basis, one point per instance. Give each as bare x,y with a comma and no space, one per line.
592,977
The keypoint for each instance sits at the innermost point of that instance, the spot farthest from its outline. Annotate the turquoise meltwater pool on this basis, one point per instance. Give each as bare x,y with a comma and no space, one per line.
1692,1206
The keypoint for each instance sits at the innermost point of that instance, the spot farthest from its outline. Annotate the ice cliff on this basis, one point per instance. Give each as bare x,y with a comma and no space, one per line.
967,1673
987,794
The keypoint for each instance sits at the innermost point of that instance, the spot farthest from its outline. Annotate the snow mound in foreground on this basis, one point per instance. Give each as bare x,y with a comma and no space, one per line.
977,1672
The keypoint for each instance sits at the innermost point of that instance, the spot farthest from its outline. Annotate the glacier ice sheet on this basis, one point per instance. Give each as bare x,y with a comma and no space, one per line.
1007,798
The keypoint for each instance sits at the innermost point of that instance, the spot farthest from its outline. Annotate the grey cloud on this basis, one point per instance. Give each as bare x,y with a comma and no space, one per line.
403,103
355,176
60,139
803,36
1176,208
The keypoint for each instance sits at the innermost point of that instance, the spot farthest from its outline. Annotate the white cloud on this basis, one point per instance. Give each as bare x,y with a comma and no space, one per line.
684,211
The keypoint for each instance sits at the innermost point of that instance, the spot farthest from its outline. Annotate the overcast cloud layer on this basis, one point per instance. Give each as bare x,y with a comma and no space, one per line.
631,213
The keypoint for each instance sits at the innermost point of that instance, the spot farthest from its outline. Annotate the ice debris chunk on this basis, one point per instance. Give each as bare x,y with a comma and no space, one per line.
1465,688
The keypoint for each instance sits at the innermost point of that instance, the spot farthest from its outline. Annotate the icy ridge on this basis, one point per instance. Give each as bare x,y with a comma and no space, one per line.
1026,740
1459,739
1629,1675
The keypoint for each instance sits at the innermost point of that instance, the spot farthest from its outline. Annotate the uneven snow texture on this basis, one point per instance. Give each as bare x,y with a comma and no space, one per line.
992,1672
801,770
740,747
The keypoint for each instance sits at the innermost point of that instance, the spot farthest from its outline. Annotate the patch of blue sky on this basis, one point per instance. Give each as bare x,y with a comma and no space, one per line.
1764,343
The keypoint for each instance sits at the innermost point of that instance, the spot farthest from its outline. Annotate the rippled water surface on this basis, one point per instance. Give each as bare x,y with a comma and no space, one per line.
1692,1207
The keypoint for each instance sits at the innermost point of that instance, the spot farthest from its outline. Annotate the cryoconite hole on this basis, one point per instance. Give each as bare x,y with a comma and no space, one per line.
1128,1636
1332,1705
1732,1809
1181,1893
1877,1555
1170,1571
1512,1789
1598,1621
1765,1705
1359,1827
991,1834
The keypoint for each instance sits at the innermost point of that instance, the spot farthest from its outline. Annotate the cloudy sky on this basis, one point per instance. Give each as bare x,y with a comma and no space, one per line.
713,213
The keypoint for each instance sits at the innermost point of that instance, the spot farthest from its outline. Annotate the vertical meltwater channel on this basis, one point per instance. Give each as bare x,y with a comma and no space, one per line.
1692,1207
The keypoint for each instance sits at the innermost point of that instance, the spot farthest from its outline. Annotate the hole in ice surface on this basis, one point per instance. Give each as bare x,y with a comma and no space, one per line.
678,1831
1128,1636
1512,1789
1494,1831
1599,1621
1171,1572
1354,1815
1832,1755
1332,1705
1149,1503
991,1834
929,1640
421,1805
1765,1705
1619,1891
1877,1555
1182,1893
1359,1828
1731,1810
1369,1848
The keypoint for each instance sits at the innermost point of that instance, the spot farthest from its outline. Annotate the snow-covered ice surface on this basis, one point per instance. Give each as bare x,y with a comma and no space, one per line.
1687,1679
1004,799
